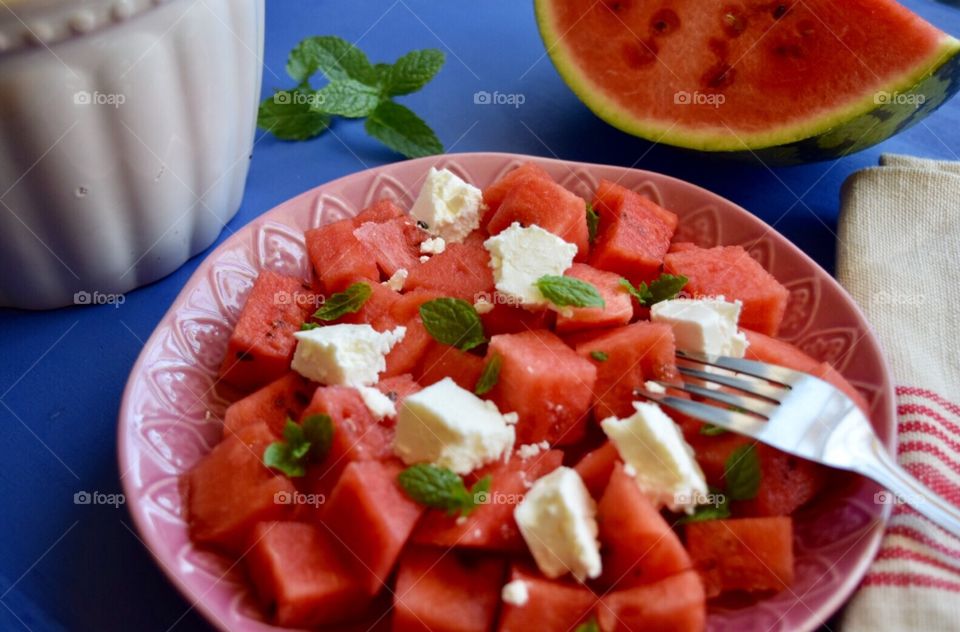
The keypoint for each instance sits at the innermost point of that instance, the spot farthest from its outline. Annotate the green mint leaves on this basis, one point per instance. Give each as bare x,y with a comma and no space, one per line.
302,443
589,626
347,302
599,356
718,511
741,473
564,291
710,430
441,488
593,223
453,321
664,288
490,375
355,89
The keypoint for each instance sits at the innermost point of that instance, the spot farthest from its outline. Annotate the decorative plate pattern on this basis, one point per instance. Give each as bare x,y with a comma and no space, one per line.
171,410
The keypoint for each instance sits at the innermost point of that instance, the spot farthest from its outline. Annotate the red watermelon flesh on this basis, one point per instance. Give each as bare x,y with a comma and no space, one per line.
262,344
673,604
230,490
302,574
356,514
546,383
443,590
406,354
442,361
376,309
731,272
356,435
637,544
552,605
610,197
549,206
460,271
635,353
394,244
493,195
491,525
282,399
338,257
399,387
618,305
749,554
383,210
408,305
596,467
508,319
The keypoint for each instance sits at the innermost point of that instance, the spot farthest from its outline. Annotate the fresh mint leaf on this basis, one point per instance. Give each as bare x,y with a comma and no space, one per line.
491,373
348,98
589,626
335,57
412,71
593,222
718,511
565,291
308,326
289,116
709,430
454,322
441,488
599,356
301,444
347,302
401,130
665,287
742,474
318,431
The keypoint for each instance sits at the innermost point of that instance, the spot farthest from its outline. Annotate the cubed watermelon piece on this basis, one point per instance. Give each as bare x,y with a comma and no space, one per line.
262,344
618,305
406,354
633,236
394,244
460,271
273,404
634,354
399,387
749,554
508,319
338,257
491,525
596,467
493,195
383,210
442,361
553,605
356,435
443,590
408,305
302,575
376,310
673,604
372,516
546,383
230,490
731,272
549,206
637,544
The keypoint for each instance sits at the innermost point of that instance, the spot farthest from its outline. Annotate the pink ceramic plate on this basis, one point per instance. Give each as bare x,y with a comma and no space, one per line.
171,411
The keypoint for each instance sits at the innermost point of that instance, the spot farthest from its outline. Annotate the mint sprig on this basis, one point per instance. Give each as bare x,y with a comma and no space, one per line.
441,488
302,443
599,356
564,291
454,322
490,375
589,626
742,474
593,223
356,88
710,430
347,302
664,288
719,511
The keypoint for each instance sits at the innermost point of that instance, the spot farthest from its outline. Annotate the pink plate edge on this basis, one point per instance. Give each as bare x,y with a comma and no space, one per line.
817,614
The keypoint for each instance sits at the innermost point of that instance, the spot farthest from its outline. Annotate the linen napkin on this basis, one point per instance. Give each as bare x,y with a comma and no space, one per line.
899,257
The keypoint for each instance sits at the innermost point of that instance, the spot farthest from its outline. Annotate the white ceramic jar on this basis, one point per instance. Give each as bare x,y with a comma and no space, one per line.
126,128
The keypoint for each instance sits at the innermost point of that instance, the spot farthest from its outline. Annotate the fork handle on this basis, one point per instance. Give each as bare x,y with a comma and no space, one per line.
903,487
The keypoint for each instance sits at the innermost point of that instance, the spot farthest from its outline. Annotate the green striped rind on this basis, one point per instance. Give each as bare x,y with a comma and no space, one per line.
856,126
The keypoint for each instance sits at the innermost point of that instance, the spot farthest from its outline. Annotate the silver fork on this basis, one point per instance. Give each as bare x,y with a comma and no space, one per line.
799,414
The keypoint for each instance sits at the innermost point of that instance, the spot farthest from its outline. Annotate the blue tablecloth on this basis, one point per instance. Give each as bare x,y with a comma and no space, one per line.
77,567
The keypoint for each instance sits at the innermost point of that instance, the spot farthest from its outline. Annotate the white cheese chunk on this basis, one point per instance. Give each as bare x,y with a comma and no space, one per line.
451,427
651,443
379,405
424,258
448,206
532,449
654,387
707,325
433,246
521,255
515,593
351,355
557,519
397,279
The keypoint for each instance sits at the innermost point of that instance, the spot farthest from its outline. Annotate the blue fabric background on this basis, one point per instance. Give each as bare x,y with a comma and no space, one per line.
64,566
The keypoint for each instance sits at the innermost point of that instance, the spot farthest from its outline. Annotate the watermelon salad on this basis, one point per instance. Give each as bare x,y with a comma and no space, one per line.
444,429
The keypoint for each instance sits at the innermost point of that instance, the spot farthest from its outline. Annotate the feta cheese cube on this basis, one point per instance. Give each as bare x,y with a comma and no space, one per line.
397,279
651,443
379,405
557,519
654,387
707,325
515,593
521,255
433,246
448,206
451,427
351,355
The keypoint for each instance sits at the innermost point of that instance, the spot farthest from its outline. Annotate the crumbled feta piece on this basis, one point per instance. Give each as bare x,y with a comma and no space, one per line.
397,279
351,355
449,426
448,206
511,419
532,449
379,405
655,387
424,258
557,519
483,305
433,246
515,593
665,469
703,325
521,255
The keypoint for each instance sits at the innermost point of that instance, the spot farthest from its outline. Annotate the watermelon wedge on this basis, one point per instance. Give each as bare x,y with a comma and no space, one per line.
788,80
